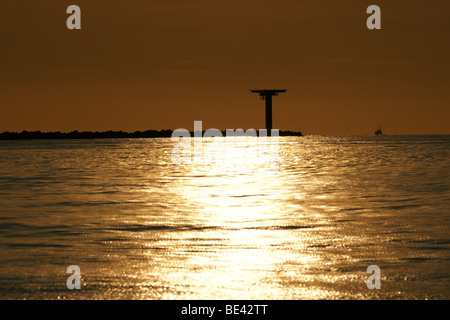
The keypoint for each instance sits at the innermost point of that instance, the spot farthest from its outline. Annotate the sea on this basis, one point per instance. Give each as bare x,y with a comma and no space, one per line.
322,218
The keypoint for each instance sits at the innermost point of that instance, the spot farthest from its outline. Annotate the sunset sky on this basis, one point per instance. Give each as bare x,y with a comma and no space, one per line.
161,64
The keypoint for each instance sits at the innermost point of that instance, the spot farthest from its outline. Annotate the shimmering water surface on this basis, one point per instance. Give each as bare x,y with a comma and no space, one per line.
141,227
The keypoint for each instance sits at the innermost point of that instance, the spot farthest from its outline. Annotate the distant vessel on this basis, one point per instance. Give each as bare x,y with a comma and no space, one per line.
378,132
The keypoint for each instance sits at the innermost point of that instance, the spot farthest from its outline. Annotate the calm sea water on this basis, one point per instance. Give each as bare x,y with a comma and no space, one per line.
141,227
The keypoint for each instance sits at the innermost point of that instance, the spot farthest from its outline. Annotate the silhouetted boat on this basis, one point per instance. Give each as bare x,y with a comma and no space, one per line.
378,132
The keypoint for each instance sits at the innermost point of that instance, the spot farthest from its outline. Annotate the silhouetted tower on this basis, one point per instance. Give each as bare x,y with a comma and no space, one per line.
267,95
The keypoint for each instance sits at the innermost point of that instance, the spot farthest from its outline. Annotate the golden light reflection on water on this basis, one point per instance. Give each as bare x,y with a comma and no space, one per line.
230,227
236,195
240,228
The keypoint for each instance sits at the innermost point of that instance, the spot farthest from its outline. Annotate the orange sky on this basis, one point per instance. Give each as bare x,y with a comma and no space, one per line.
161,64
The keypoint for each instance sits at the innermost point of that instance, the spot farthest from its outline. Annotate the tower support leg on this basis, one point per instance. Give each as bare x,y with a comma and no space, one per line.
268,99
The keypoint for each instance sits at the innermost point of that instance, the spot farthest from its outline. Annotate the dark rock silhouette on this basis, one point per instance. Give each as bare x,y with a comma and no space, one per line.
29,135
